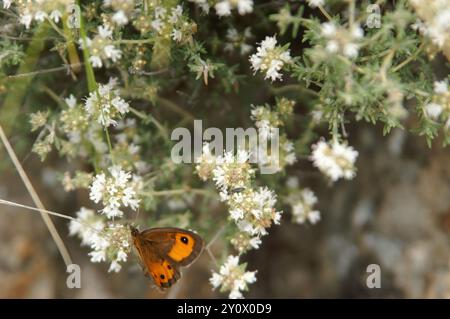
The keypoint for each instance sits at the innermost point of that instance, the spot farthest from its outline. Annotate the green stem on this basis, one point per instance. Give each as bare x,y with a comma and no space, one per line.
409,59
179,191
18,88
92,83
72,53
351,13
325,13
174,107
292,87
149,117
133,41
54,96
56,28
108,140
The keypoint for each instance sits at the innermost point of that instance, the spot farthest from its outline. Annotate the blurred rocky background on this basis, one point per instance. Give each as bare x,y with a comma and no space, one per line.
395,213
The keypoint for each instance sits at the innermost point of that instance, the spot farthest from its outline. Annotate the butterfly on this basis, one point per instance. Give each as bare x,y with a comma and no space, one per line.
162,251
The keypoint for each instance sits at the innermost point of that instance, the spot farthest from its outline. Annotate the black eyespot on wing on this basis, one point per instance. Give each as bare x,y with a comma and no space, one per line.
169,267
184,240
162,276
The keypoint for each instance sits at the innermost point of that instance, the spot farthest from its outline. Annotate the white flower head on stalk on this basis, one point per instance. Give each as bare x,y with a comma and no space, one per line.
341,40
39,10
334,159
254,211
101,47
170,23
74,120
87,226
109,243
243,242
205,163
440,104
270,58
114,191
303,208
123,10
315,3
233,278
7,3
290,157
232,171
433,110
105,105
238,41
113,246
436,21
265,121
224,7
203,4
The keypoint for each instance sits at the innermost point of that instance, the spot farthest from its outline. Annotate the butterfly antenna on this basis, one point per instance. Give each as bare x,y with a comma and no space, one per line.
137,213
208,250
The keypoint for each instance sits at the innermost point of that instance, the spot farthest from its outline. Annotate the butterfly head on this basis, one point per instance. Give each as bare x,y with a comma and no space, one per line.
134,231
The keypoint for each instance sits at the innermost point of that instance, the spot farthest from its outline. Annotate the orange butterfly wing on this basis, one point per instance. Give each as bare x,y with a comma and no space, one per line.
163,250
163,273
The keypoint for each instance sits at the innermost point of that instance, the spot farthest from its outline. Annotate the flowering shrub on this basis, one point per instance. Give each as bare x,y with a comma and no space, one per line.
111,80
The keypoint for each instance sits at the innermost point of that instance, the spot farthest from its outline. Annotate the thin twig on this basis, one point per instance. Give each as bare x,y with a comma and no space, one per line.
409,59
47,220
175,108
66,67
325,13
216,236
149,117
178,191
49,212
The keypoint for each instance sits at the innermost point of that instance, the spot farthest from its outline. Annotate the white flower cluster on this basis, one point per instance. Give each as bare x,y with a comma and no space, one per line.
115,190
224,7
315,3
341,40
436,21
440,106
105,105
101,47
206,163
270,58
168,22
334,159
254,211
265,121
108,242
238,41
303,207
276,161
123,10
244,242
233,278
289,150
268,122
203,4
227,171
88,226
39,10
231,172
74,120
